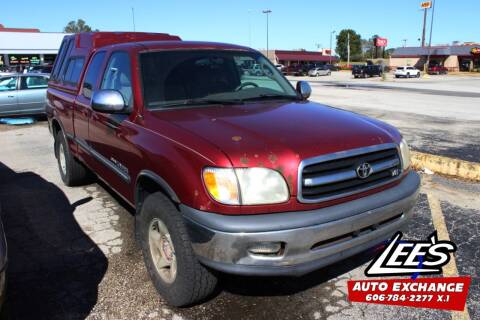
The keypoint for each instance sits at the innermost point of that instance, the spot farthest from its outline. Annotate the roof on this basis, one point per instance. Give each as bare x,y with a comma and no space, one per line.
302,56
102,39
464,50
3,29
30,42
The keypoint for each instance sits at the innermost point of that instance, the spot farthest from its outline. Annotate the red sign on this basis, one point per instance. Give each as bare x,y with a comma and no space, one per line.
435,293
381,42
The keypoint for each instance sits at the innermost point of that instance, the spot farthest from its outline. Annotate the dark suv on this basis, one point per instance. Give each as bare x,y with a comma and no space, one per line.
226,171
366,71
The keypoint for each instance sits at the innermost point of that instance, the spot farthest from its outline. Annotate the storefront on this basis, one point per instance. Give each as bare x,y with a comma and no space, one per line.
20,48
299,57
455,58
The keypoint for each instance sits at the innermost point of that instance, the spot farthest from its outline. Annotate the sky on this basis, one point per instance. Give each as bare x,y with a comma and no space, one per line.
305,24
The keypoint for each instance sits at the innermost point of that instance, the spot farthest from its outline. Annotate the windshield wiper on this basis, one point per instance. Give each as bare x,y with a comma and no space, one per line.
271,97
201,102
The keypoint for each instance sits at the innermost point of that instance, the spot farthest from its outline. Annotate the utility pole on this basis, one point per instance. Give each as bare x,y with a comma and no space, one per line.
267,12
348,49
331,34
424,26
133,18
430,40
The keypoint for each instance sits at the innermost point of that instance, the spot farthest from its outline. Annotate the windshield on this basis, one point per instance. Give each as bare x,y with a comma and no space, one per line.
199,77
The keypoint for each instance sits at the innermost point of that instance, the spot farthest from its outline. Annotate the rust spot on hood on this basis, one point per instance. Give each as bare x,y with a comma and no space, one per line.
244,159
273,158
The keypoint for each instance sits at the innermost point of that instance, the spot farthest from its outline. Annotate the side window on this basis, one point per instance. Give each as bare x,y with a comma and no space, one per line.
8,83
92,74
118,77
33,82
64,63
73,71
59,59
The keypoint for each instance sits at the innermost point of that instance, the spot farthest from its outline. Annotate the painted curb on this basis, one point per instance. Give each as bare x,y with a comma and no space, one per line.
447,166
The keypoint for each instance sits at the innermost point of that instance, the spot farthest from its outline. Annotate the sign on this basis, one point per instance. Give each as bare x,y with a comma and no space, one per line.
426,4
475,50
381,42
23,59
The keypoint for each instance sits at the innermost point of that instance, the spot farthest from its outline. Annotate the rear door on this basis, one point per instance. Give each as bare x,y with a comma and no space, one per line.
8,94
83,109
32,96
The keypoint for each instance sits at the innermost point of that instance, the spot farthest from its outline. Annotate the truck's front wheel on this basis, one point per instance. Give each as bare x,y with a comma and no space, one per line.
173,267
72,172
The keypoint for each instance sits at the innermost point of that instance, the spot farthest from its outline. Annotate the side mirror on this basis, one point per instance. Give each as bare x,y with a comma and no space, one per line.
108,101
304,89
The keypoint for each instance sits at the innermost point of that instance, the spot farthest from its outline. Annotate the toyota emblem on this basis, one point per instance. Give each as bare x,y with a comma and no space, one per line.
364,170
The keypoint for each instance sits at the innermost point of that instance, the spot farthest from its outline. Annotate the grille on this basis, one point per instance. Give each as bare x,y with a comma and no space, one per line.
334,176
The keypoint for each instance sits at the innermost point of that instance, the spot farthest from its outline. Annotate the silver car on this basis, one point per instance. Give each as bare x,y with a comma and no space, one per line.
23,94
319,71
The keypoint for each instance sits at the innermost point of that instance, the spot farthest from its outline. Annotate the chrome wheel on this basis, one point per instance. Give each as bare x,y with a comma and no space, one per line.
62,159
162,251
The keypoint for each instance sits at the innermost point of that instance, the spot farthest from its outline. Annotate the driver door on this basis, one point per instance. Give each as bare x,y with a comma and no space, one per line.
8,95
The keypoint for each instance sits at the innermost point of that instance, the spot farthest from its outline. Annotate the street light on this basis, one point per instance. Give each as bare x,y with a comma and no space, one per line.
267,12
331,33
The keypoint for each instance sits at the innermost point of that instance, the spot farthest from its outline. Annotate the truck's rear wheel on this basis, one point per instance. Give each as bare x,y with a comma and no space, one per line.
173,267
72,172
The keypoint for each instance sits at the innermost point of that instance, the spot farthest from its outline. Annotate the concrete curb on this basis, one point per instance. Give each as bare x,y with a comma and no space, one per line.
447,166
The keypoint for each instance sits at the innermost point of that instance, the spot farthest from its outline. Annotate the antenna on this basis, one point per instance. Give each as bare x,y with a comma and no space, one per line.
133,18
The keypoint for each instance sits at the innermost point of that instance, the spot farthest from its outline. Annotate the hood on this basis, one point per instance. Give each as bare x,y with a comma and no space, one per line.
274,134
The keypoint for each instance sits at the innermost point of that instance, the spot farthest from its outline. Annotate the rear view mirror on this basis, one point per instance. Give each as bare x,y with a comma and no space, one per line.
108,101
304,89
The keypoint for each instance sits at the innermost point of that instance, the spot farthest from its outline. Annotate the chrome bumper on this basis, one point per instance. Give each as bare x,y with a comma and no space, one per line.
310,239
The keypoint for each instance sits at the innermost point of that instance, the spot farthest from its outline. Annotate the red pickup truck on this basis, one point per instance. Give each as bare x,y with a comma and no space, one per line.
227,172
437,69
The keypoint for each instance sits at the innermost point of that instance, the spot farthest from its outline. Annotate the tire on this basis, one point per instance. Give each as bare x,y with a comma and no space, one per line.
418,74
407,76
191,282
72,172
396,76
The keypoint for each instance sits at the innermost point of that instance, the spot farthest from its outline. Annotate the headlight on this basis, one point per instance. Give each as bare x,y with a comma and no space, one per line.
405,152
245,186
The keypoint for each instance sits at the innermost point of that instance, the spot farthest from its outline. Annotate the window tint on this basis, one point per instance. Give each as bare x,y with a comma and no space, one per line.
59,59
8,83
118,77
33,82
92,74
74,69
65,61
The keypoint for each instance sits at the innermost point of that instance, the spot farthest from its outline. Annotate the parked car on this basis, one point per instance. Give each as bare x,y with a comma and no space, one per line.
407,72
23,94
225,172
437,69
366,71
41,69
319,71
280,67
298,70
332,67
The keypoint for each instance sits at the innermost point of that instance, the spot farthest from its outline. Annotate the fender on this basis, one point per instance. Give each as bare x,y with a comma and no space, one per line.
160,181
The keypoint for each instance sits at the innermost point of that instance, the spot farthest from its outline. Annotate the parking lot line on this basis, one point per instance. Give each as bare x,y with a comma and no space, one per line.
450,270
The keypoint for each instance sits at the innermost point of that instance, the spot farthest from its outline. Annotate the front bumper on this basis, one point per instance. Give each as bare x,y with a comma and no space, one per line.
310,239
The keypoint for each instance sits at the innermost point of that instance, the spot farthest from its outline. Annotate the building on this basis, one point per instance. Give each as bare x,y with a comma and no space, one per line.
464,57
26,47
294,57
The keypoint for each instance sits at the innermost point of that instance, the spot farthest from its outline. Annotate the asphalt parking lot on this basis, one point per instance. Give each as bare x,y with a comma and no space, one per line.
73,254
438,115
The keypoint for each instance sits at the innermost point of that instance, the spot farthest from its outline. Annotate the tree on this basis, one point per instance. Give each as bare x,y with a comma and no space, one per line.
355,44
77,27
